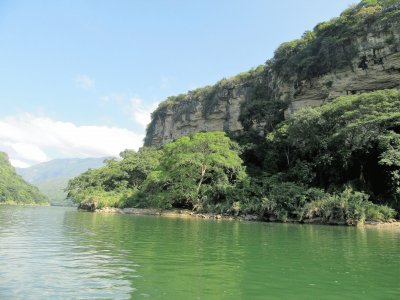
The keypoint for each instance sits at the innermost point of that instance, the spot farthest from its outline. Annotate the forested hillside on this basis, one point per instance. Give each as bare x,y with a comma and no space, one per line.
13,189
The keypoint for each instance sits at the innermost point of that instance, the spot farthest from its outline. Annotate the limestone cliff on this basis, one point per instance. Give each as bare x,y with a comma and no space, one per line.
376,67
354,53
215,108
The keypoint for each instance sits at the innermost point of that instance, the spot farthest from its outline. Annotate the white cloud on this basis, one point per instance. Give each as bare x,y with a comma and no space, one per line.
19,164
85,82
29,139
138,110
27,151
141,113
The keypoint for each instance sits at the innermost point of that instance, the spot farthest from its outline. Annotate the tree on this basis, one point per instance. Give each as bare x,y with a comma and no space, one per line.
195,170
117,182
353,139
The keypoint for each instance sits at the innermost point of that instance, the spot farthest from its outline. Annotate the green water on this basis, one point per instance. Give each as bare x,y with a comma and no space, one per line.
60,253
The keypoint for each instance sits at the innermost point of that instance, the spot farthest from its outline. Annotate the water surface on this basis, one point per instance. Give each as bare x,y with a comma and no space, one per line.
60,253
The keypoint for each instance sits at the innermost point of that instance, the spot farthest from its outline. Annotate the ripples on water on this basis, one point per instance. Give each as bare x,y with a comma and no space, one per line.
59,253
44,253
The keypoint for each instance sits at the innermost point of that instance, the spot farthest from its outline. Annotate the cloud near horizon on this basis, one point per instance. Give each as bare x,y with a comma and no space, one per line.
30,139
139,112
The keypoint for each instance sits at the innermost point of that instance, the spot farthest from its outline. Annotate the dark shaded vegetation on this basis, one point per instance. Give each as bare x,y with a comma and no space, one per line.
263,111
13,189
352,142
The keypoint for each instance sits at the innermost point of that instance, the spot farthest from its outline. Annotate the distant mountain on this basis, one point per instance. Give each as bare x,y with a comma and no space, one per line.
52,177
13,189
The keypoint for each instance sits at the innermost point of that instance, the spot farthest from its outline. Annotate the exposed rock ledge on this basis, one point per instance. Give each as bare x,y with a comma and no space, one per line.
175,213
184,213
380,225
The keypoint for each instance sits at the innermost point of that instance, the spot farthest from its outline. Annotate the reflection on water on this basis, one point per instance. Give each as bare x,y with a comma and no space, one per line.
60,253
51,252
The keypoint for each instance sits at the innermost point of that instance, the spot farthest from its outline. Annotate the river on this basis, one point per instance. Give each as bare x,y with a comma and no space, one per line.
61,253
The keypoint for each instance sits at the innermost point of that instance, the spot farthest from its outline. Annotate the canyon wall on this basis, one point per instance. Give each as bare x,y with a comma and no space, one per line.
375,65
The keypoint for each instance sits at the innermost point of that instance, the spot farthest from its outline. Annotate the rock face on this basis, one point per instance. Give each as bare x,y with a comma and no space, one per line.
375,66
217,110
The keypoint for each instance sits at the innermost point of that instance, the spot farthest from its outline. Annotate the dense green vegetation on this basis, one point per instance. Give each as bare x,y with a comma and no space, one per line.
52,177
338,163
194,172
13,189
117,182
354,139
352,142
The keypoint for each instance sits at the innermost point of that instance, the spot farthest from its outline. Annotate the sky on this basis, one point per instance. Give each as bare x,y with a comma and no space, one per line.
79,78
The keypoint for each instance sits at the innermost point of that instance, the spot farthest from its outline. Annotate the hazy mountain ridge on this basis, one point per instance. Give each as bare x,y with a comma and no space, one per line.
52,177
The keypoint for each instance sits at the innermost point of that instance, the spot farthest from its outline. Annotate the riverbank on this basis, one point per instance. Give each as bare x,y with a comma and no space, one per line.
395,225
185,213
175,213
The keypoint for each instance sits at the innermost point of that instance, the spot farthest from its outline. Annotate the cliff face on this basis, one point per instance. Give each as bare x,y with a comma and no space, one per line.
376,67
217,109
373,63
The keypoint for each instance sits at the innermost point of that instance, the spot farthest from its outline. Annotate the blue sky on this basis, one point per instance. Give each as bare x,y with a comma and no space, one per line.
79,78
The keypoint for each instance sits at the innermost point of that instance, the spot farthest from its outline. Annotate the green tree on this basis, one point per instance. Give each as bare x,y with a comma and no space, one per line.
117,182
353,139
195,170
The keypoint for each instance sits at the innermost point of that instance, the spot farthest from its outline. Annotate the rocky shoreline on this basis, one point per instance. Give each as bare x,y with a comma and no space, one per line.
175,213
184,213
